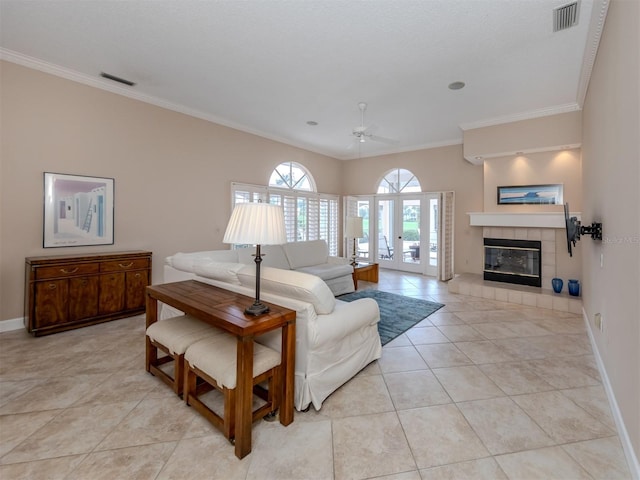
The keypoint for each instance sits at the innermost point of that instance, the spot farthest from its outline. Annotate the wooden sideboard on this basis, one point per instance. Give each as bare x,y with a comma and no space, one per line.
63,292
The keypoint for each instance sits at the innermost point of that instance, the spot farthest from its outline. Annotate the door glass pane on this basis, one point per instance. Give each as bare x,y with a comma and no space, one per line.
411,231
433,231
385,230
363,243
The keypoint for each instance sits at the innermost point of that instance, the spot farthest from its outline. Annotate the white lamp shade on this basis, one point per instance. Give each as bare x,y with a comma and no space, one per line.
256,224
353,228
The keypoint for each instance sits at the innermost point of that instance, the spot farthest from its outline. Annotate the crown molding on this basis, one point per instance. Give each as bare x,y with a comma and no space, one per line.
591,49
543,112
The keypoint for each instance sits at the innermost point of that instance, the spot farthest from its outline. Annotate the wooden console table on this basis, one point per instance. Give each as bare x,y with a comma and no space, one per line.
367,272
63,292
225,309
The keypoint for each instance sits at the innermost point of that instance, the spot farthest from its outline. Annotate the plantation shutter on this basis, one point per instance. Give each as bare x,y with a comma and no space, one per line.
445,236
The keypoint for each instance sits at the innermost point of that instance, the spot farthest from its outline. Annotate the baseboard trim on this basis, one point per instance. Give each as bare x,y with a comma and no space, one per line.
11,324
632,459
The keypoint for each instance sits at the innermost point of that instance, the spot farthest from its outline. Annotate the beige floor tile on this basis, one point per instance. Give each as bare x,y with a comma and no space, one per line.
361,395
415,389
401,359
106,416
12,389
133,463
425,335
467,383
483,469
412,475
399,341
561,418
370,446
563,372
502,426
515,378
445,318
17,427
300,450
440,435
603,458
49,469
594,401
124,386
151,421
461,333
494,330
55,393
440,355
544,464
485,352
74,431
210,457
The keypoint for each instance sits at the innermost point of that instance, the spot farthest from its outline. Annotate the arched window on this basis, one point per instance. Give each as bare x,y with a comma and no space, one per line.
293,176
399,180
308,215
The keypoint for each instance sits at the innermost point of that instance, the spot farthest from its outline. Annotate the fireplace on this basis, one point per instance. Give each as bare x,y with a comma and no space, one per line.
513,261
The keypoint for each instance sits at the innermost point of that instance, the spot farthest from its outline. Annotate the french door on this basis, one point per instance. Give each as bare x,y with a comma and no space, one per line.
406,232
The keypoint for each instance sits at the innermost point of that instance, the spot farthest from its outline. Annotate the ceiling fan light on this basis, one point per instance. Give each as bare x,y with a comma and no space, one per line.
361,138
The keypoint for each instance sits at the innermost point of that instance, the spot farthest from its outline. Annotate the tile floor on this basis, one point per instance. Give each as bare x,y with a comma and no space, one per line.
479,390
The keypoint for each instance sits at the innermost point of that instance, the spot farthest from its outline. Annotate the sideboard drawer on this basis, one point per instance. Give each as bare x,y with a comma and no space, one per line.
124,265
70,270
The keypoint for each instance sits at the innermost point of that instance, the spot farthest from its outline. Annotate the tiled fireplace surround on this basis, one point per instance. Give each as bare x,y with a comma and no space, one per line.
545,297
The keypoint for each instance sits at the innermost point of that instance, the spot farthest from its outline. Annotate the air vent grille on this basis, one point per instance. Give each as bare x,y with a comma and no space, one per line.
565,17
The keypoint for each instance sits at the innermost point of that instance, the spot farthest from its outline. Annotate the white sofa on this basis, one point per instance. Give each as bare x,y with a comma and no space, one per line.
311,256
334,339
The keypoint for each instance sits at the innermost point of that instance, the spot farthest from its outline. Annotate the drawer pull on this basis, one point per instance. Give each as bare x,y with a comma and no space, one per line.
52,286
64,270
121,265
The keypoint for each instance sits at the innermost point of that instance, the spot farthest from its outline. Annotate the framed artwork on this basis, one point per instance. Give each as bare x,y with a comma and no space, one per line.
78,210
531,195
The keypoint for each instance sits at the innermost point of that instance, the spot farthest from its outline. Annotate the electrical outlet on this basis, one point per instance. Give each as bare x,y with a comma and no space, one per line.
598,321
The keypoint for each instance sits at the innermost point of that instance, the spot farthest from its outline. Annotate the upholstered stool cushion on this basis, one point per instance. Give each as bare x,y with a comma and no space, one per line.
216,356
177,333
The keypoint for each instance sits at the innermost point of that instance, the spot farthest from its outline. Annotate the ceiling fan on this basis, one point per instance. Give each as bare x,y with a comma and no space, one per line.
362,133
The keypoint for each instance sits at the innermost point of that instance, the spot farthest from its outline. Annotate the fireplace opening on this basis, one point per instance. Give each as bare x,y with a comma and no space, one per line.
513,261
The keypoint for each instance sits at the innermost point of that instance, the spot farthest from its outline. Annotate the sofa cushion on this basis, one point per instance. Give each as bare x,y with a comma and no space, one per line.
305,254
223,271
289,283
272,256
328,271
188,261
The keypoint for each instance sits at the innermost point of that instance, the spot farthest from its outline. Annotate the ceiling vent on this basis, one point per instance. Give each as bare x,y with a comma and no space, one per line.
565,17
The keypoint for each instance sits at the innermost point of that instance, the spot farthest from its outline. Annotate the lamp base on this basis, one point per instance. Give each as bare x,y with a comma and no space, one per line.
258,308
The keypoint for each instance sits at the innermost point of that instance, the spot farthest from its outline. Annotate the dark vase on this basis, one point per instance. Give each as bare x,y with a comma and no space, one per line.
574,287
556,283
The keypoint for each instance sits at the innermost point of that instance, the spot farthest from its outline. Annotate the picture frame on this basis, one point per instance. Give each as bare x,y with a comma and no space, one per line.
548,194
78,210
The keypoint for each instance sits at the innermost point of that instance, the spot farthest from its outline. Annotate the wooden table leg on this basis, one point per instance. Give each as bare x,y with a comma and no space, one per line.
244,396
288,372
151,353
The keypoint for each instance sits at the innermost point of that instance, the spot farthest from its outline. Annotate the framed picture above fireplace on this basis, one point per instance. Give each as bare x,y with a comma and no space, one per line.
550,194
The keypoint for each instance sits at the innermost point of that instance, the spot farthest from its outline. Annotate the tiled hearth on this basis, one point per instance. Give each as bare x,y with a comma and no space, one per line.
474,285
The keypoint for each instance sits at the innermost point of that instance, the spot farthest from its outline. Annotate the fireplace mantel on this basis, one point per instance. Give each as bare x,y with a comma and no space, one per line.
513,219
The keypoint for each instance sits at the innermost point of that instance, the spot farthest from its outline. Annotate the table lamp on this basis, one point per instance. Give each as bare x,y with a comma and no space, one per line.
256,224
353,229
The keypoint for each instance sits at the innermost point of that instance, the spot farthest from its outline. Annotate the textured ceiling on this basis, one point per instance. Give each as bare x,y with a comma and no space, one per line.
268,67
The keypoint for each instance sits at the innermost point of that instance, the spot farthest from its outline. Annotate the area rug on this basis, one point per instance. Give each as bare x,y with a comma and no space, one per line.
397,313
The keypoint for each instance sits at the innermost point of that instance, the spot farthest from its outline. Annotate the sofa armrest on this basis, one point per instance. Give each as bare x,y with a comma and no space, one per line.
337,260
346,318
